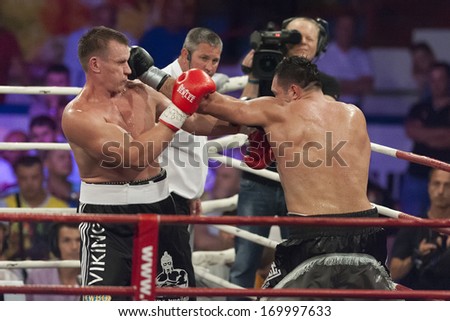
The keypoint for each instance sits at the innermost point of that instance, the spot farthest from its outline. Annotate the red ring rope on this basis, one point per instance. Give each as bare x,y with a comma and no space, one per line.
182,219
211,292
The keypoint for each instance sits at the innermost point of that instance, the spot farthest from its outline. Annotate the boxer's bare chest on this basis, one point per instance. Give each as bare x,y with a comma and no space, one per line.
134,119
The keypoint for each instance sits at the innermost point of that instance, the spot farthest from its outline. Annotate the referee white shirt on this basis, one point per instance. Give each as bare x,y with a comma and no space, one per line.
185,159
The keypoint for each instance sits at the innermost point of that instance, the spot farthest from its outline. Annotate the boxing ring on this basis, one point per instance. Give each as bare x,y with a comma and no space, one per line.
143,285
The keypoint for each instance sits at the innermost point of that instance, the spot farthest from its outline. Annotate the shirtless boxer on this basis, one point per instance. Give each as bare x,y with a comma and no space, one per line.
114,133
322,150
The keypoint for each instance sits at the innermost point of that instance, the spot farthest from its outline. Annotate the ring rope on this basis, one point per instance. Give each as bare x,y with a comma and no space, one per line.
414,158
203,274
222,143
320,293
51,210
220,205
219,292
68,290
236,163
34,146
208,258
226,142
386,211
40,90
195,292
244,220
37,264
199,258
233,83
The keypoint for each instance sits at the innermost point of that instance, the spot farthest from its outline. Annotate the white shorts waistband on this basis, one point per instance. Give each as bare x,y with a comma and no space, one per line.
104,194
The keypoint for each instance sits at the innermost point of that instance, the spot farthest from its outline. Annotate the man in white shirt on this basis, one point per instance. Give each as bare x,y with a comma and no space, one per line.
186,159
348,63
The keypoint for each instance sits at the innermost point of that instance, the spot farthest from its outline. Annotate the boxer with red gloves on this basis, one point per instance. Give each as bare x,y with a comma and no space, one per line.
188,90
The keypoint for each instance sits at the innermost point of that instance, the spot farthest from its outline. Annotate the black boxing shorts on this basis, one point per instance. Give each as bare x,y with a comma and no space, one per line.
305,242
107,249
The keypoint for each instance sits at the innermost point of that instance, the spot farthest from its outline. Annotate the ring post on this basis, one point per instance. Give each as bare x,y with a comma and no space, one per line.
145,256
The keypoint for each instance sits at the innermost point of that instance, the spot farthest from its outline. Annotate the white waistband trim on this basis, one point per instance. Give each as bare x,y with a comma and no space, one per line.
103,194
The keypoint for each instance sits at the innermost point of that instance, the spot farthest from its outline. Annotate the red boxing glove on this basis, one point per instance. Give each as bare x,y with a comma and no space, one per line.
188,90
259,154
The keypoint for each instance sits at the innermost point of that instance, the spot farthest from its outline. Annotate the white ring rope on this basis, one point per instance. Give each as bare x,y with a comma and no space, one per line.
258,239
377,148
45,210
233,162
233,83
34,146
226,142
203,274
39,90
208,258
220,205
28,264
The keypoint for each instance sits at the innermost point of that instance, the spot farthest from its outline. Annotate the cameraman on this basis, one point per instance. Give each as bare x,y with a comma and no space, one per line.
260,196
420,255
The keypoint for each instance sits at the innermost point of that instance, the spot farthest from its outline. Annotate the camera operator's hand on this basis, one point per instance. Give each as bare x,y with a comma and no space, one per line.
251,90
247,63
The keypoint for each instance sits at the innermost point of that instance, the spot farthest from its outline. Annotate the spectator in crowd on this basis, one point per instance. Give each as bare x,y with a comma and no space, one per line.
428,126
8,183
28,239
6,274
13,69
421,256
59,164
44,129
348,63
422,59
64,243
56,75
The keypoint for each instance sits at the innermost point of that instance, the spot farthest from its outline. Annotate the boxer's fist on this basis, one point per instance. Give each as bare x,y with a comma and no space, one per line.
140,61
188,90
259,154
141,65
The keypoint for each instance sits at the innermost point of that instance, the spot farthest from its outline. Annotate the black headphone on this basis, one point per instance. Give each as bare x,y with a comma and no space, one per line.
189,57
322,42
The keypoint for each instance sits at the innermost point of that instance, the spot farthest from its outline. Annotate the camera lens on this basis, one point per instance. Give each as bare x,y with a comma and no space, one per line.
268,63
